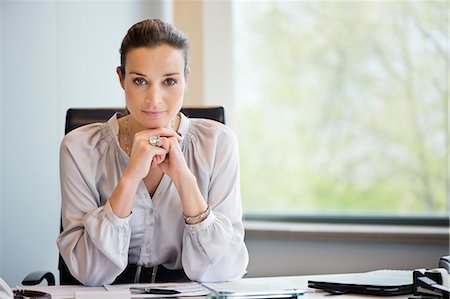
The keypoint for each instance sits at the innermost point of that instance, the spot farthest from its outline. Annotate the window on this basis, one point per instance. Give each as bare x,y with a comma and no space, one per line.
342,107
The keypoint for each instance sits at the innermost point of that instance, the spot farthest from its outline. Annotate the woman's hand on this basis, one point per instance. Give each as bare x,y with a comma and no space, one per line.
143,156
176,168
174,164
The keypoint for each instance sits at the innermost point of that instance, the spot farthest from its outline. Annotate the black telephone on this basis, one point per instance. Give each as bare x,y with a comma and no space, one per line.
434,283
444,262
7,293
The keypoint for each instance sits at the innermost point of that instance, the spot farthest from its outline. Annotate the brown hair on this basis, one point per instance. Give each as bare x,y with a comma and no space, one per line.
151,33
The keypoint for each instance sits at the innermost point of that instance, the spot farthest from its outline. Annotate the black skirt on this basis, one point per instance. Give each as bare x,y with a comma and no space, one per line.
162,275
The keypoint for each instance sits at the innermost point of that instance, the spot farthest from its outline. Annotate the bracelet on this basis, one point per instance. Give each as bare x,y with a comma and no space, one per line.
201,216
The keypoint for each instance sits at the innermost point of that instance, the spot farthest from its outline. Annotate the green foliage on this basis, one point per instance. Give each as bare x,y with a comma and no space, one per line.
343,106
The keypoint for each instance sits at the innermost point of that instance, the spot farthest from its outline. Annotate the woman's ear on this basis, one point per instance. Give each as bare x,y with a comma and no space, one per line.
121,76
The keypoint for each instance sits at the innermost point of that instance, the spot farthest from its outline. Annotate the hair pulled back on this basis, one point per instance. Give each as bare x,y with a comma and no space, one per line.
152,33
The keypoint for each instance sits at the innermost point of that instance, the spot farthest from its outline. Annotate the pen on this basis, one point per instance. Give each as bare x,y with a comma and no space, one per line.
155,291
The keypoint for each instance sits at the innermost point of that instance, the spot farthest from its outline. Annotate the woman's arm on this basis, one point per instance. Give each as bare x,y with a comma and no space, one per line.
97,235
94,242
214,249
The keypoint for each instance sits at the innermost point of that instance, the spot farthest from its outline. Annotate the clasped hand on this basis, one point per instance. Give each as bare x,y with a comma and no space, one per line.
167,155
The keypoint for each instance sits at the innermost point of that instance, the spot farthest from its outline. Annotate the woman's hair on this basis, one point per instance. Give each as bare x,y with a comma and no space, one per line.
151,33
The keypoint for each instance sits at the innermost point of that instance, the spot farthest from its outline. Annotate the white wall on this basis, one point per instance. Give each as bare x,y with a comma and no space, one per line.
56,55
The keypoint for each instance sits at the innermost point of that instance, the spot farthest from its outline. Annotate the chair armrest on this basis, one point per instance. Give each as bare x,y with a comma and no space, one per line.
36,277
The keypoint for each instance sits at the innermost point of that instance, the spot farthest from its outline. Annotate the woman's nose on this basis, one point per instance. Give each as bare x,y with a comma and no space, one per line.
153,95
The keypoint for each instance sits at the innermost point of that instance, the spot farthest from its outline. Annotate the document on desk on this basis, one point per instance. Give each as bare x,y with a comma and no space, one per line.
272,287
166,290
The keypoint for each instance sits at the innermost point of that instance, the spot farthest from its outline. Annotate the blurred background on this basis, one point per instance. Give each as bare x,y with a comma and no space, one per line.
340,109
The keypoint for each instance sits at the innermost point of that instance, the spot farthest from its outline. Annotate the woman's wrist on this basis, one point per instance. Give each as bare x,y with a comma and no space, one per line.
191,197
197,218
121,200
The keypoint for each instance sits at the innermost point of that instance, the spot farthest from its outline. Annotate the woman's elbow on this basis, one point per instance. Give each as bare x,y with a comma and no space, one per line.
226,269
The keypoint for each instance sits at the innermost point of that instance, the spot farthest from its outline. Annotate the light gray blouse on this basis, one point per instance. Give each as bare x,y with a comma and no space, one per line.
97,245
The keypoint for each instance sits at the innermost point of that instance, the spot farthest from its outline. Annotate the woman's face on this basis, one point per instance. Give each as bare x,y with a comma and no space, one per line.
154,84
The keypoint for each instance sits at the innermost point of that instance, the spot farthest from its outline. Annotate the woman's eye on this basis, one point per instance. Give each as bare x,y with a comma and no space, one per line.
170,81
139,81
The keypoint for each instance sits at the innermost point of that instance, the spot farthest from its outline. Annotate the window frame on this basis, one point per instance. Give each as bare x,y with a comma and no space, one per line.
435,221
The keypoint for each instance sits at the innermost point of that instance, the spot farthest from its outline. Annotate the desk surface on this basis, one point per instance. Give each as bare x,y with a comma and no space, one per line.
300,282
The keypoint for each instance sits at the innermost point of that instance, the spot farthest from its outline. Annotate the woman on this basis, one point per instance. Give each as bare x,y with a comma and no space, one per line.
153,195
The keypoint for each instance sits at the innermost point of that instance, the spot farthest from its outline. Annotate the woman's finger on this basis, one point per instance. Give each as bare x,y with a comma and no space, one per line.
162,132
164,143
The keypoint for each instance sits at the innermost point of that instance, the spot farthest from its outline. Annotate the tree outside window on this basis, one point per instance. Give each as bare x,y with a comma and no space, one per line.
343,106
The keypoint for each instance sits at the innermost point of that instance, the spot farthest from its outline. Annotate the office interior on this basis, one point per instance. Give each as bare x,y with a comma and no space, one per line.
55,55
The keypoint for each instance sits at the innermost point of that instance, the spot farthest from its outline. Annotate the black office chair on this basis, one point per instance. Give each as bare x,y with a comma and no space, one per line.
77,117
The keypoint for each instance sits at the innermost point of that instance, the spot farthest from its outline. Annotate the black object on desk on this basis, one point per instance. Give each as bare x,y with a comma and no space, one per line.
429,284
444,262
378,283
156,291
28,294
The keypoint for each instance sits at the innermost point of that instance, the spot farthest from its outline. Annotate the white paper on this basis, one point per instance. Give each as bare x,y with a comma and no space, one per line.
248,286
116,294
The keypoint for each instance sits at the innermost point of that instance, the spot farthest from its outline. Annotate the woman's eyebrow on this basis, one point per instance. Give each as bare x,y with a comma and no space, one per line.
165,75
171,74
137,73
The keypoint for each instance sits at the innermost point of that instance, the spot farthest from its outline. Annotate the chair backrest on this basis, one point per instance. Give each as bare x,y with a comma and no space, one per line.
77,117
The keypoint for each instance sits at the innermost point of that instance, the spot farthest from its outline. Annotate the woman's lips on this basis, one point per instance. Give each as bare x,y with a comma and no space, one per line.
153,114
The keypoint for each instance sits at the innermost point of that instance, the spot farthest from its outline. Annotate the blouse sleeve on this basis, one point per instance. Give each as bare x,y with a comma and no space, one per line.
94,242
214,249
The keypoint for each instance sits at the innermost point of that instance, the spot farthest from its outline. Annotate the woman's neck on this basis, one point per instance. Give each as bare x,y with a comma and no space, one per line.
134,126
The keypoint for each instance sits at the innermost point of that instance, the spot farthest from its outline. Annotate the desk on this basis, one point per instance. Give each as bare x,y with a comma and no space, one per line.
300,282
